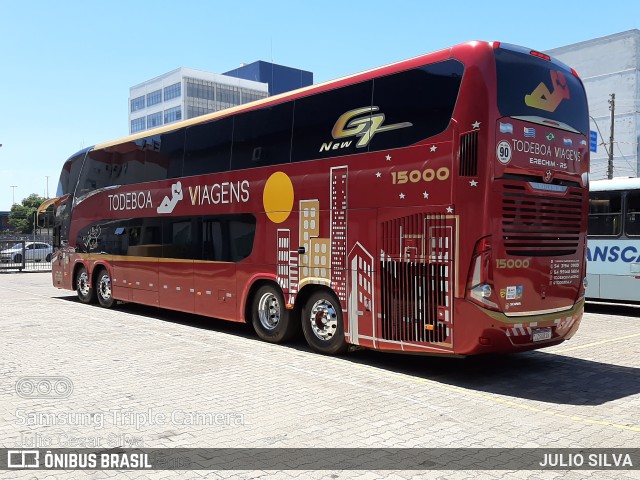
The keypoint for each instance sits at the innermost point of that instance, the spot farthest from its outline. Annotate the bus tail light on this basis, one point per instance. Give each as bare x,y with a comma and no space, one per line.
541,55
479,286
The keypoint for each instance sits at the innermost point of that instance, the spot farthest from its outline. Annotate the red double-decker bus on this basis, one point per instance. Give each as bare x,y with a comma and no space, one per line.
435,205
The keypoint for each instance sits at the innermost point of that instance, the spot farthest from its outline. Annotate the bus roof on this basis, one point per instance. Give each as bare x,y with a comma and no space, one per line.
618,183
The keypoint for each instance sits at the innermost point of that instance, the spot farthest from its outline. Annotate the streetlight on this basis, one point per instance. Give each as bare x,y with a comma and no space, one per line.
14,193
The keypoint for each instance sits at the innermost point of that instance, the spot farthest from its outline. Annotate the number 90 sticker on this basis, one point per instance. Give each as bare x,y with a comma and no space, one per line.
503,152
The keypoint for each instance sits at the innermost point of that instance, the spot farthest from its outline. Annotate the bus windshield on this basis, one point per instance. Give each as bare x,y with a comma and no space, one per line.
537,88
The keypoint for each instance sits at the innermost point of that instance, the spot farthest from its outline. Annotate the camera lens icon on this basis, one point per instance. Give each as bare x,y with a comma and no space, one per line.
44,387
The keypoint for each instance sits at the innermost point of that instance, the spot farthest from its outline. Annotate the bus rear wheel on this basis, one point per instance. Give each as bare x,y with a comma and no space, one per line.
86,294
322,323
103,289
269,316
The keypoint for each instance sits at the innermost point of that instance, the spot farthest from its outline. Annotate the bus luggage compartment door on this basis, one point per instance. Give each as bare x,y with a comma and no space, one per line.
417,279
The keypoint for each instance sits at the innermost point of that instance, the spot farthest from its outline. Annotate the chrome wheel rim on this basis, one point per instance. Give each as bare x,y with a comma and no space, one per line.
105,287
269,311
324,320
83,284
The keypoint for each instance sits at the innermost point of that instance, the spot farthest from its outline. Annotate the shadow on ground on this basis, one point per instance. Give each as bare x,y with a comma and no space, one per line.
537,375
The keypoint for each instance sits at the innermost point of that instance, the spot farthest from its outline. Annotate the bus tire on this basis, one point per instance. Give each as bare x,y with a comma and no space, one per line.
322,323
86,293
104,289
269,316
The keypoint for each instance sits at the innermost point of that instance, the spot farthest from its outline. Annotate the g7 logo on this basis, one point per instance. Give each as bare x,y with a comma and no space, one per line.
364,127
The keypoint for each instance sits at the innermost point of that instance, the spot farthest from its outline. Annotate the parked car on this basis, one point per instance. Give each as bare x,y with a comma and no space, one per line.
33,252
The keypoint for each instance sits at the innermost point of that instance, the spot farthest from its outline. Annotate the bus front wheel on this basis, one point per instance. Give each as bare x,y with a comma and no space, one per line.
269,316
86,294
322,323
103,289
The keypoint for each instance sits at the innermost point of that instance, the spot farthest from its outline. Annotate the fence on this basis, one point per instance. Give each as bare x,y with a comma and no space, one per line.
27,253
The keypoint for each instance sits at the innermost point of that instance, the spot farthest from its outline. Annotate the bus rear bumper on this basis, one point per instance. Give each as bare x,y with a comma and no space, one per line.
497,333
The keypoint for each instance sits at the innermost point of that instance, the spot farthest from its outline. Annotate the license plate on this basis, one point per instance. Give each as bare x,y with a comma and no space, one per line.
541,334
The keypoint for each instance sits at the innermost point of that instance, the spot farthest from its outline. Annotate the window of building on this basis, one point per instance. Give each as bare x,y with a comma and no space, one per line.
137,103
605,213
154,98
200,89
138,124
154,120
228,96
172,115
193,111
251,95
172,91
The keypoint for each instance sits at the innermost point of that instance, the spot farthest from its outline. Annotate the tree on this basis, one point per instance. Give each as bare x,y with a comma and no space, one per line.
21,215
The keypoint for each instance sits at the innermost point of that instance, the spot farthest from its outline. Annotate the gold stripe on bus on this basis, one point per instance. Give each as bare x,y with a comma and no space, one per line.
533,316
134,258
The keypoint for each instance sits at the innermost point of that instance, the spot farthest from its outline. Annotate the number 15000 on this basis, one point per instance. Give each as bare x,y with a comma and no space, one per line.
511,263
415,176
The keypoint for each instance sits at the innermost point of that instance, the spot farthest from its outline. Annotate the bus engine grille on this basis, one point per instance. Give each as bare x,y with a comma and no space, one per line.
416,279
541,224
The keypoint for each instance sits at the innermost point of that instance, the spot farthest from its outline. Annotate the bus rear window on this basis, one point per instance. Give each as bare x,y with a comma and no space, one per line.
533,87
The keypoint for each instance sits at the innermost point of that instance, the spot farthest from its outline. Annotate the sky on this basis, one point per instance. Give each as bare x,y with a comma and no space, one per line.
66,67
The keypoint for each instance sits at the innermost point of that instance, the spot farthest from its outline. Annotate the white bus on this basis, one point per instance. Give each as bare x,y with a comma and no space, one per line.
613,253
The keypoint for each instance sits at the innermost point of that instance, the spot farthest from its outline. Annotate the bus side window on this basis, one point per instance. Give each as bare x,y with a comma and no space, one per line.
213,247
242,231
262,137
605,214
632,222
176,239
208,147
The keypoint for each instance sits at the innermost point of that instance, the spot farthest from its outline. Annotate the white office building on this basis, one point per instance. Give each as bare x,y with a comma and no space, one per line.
186,93
610,65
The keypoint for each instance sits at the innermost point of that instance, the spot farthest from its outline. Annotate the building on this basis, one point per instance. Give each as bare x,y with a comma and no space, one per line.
185,93
610,65
279,78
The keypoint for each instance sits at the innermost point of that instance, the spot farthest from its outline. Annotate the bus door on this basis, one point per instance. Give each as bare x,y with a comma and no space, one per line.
60,262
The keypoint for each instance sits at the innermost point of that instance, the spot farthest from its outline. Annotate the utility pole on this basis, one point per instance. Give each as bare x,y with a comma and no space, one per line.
612,107
14,193
47,177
